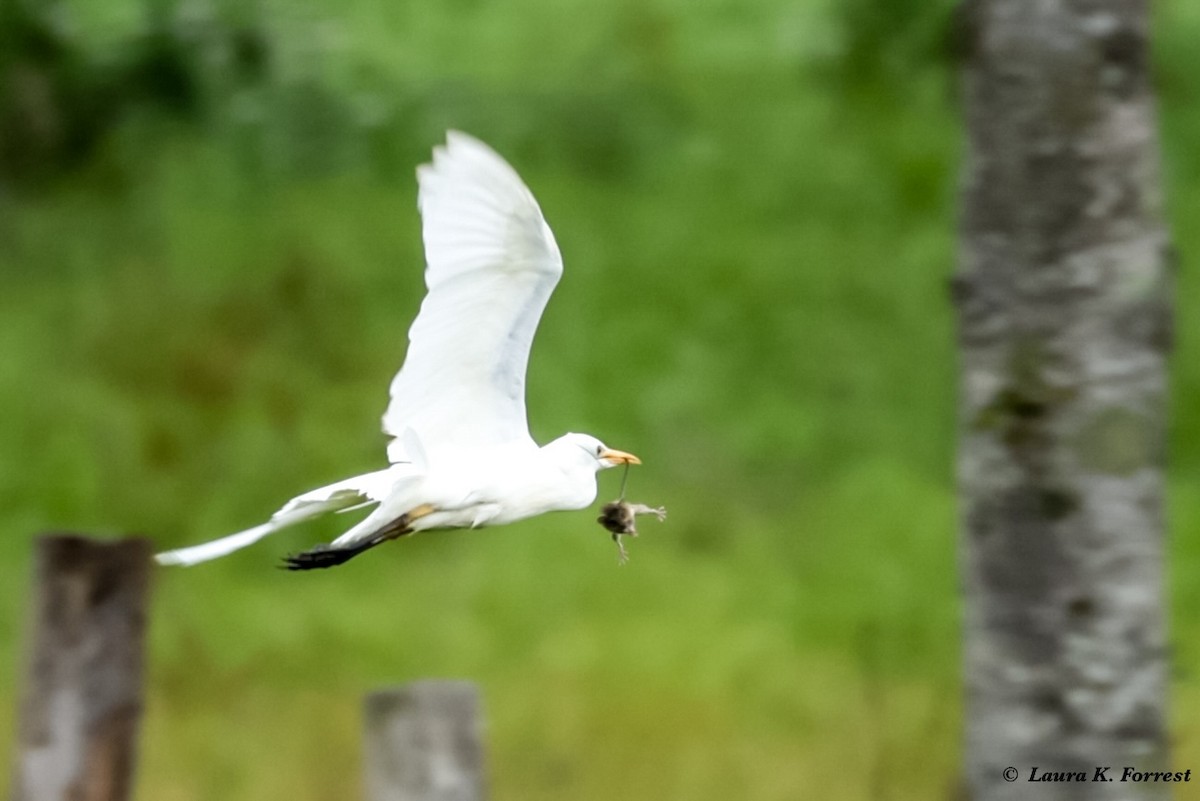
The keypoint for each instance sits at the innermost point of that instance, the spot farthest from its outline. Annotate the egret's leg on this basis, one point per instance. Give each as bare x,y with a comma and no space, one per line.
324,556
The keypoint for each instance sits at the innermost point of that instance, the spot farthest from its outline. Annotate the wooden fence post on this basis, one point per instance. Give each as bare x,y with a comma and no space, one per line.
82,702
424,743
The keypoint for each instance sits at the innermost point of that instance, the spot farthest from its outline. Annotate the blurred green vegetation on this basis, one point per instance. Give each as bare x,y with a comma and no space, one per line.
209,258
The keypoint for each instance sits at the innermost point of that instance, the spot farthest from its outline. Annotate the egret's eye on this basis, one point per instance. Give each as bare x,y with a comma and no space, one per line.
599,449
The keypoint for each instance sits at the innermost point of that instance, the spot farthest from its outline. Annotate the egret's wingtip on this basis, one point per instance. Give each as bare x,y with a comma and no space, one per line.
467,146
456,137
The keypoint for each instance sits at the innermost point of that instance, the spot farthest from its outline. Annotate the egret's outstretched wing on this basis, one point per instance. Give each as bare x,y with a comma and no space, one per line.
491,265
340,497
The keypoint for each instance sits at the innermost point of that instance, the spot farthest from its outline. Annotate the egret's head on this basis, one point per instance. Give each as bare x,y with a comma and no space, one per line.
592,452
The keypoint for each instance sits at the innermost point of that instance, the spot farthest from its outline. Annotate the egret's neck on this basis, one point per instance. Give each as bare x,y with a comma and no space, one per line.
572,469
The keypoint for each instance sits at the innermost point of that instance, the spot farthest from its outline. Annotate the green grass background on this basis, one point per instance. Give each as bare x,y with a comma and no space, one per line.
755,202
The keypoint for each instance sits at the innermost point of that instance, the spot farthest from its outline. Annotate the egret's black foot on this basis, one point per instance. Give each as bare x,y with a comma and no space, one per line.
323,556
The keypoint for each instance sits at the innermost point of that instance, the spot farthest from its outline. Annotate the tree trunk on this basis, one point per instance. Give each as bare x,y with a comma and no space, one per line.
1063,295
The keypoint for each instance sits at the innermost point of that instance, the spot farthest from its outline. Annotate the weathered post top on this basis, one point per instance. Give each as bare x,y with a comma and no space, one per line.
424,743
82,701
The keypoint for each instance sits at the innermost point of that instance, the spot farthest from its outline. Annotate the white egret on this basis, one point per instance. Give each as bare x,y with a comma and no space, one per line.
461,454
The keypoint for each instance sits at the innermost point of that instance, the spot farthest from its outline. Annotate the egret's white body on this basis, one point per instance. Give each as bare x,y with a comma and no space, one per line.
461,452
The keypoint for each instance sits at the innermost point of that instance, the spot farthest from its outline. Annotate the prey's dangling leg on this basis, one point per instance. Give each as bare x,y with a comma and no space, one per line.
323,556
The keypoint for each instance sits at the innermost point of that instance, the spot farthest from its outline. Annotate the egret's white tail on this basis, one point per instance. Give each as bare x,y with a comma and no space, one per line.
342,496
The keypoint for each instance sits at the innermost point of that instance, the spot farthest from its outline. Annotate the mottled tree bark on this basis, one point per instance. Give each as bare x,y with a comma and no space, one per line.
1063,295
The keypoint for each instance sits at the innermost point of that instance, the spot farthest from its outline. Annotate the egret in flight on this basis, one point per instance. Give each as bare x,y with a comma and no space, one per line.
460,455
